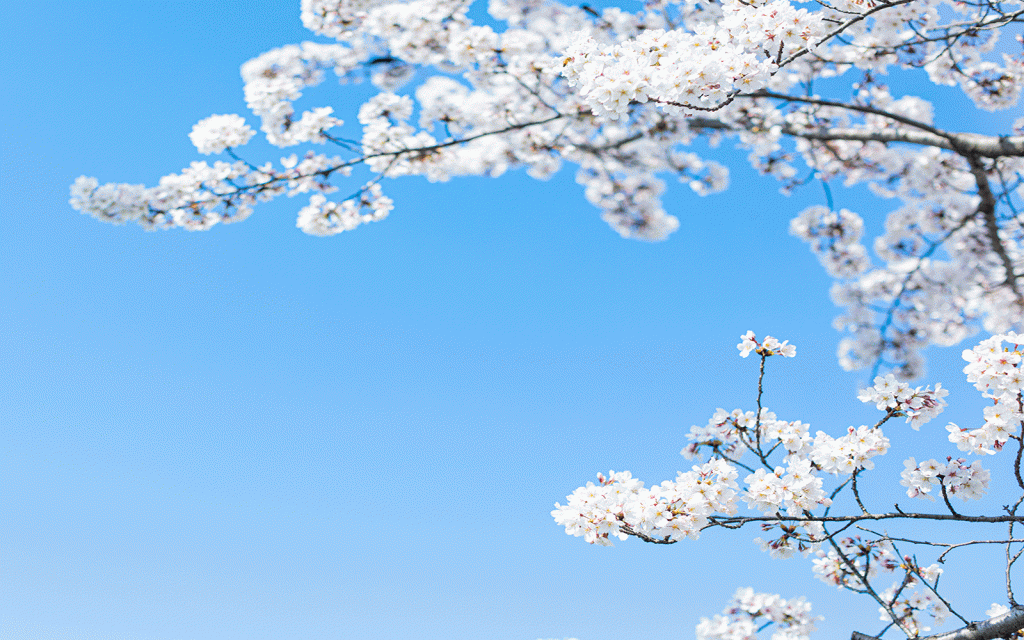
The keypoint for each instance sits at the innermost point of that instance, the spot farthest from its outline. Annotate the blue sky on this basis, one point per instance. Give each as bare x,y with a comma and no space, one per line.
254,433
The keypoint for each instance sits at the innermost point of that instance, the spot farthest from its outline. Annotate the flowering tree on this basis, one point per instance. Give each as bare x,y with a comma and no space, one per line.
623,96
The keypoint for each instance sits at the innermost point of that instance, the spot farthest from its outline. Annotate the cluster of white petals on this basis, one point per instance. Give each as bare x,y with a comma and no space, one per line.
683,69
750,611
851,452
681,508
793,489
834,237
770,346
276,79
916,404
965,481
722,432
672,510
996,371
217,133
190,199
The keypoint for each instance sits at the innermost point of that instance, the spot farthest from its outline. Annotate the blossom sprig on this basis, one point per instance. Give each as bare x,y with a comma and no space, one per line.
997,372
620,505
749,612
324,218
954,477
834,237
684,71
769,347
897,398
802,538
854,559
793,489
906,605
848,453
727,432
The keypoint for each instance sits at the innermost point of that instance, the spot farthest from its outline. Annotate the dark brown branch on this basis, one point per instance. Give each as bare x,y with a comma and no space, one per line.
757,419
945,498
856,493
949,545
625,528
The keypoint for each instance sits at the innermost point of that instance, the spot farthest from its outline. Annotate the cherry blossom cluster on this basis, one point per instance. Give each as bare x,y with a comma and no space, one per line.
794,489
729,435
680,508
770,346
956,477
275,79
325,218
849,453
670,511
723,432
749,612
854,560
195,199
217,133
996,371
834,237
699,68
916,404
893,312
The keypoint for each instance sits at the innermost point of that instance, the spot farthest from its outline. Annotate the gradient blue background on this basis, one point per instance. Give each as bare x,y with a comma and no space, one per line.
254,433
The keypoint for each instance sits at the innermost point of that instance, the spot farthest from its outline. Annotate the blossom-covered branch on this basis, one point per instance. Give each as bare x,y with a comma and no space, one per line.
621,95
787,481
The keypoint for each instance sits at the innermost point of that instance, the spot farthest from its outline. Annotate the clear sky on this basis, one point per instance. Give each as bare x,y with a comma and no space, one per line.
255,433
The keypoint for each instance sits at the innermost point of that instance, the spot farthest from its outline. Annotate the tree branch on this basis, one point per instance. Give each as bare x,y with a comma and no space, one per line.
971,143
1000,626
968,144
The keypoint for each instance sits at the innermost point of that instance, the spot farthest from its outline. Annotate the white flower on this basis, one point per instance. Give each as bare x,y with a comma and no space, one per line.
748,342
